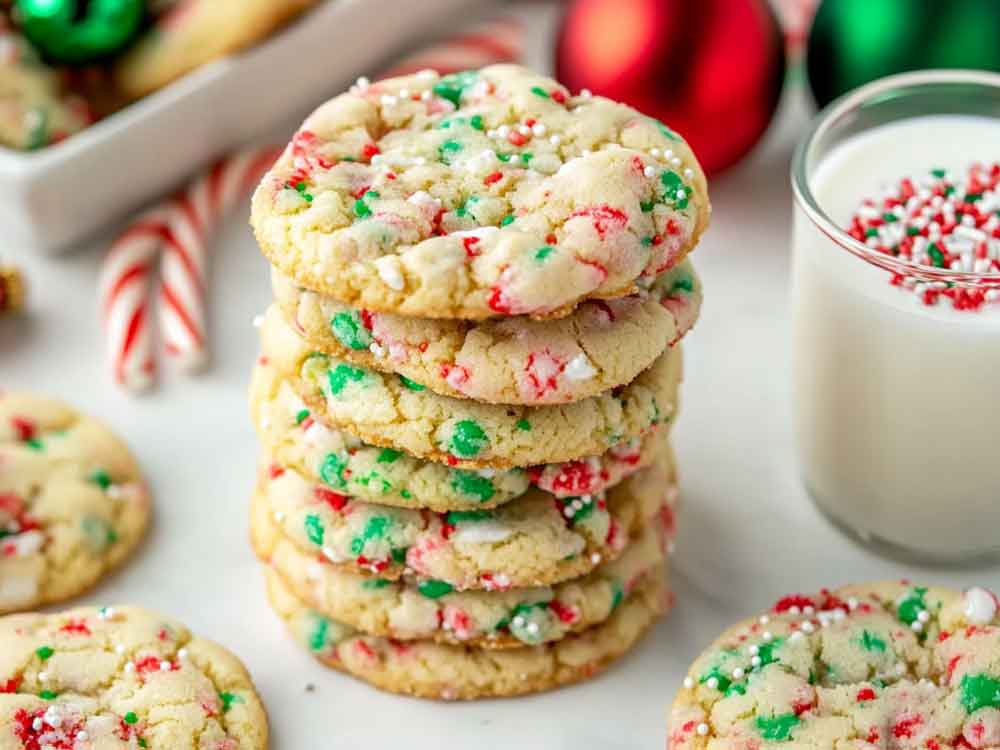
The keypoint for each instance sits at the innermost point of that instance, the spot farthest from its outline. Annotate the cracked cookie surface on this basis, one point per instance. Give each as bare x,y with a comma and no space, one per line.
535,540
494,619
889,664
481,194
601,345
450,672
121,677
73,503
293,436
384,410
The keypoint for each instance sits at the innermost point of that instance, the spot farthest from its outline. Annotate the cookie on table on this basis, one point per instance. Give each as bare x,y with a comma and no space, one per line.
383,409
601,345
193,32
481,194
35,109
493,619
535,540
889,664
73,503
459,672
121,677
292,436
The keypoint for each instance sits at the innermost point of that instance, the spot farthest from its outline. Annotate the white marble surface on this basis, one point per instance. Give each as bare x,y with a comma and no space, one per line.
747,531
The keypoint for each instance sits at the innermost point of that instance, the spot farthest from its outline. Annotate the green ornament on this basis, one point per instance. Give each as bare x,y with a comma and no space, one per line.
76,32
853,42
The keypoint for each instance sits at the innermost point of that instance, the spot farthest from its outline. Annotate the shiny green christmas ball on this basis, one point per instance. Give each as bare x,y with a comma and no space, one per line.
76,32
853,42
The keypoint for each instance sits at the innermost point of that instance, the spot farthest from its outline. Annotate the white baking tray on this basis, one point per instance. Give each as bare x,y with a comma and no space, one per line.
55,197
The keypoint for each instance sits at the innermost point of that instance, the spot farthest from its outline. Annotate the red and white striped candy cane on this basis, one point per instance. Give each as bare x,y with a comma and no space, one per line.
194,216
124,286
495,41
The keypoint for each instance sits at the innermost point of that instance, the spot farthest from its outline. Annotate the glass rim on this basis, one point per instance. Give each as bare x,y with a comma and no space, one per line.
831,115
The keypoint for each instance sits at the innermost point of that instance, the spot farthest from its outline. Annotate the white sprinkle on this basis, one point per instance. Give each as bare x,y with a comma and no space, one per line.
37,724
808,627
362,83
404,93
129,667
675,162
796,636
503,131
579,368
518,622
767,635
539,129
586,93
712,683
555,140
688,683
120,649
764,620
524,130
420,161
182,653
82,736
808,610
754,649
738,673
923,615
164,666
756,661
702,729
595,558
916,626
481,532
688,173
532,628
426,96
794,610
43,676
388,100
649,171
980,606
852,603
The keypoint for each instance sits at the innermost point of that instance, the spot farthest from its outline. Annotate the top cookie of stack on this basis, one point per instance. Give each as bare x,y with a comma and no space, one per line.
479,282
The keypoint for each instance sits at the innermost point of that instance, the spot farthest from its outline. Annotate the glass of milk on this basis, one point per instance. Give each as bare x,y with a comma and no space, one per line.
897,400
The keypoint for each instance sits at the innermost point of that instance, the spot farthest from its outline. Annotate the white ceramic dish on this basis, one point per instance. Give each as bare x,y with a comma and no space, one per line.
55,197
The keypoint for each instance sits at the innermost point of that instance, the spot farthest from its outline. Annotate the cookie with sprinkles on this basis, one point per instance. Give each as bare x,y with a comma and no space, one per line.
461,672
73,503
121,678
599,346
891,664
480,194
494,619
294,437
382,409
190,33
535,540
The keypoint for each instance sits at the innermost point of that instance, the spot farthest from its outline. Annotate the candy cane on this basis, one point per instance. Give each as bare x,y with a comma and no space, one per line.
493,42
124,286
193,218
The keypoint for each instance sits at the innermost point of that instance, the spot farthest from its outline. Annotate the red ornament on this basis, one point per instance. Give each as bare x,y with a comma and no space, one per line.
710,69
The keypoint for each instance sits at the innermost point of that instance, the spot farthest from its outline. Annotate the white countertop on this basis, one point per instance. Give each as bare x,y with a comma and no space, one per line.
747,531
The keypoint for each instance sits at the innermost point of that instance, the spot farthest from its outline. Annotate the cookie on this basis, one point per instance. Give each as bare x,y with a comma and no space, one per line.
35,108
121,677
495,619
536,540
383,409
889,664
601,345
448,672
480,194
293,437
73,503
193,32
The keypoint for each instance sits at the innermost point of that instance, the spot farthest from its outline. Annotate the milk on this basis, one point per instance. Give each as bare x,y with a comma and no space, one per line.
897,404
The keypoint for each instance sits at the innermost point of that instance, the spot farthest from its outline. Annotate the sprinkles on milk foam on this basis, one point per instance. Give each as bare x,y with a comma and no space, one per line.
468,382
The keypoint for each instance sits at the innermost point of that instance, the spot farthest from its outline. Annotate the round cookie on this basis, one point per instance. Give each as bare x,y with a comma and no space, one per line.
447,672
293,437
601,345
495,619
384,410
35,110
535,540
193,32
73,503
888,664
480,194
121,677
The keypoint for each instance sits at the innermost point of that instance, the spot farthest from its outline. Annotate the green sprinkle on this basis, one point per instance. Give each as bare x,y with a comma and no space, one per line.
448,149
35,444
777,727
458,516
476,121
301,416
908,610
350,331
361,209
412,385
342,375
504,157
130,717
300,188
939,173
471,483
527,157
44,652
405,494
871,232
375,528
142,742
314,529
101,478
468,439
617,596
398,555
317,639
544,252
539,91
973,197
434,589
508,219
910,232
48,695
665,131
766,653
373,584
979,691
889,218
332,469
937,257
523,425
228,699
737,688
682,284
388,456
722,680
451,87
871,642
647,206
676,193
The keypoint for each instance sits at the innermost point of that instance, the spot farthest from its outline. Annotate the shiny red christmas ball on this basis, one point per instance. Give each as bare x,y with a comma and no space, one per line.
710,69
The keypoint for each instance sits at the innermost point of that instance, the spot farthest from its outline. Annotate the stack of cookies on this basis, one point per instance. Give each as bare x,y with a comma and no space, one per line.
468,379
